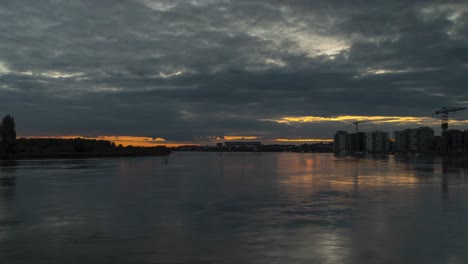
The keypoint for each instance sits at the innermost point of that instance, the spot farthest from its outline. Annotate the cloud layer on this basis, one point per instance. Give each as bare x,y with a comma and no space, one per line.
191,70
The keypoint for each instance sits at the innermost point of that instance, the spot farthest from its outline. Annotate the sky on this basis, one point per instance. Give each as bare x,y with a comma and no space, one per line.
206,71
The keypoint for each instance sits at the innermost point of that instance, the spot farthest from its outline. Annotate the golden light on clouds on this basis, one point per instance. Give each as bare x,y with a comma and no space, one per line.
134,141
312,140
419,120
240,137
125,138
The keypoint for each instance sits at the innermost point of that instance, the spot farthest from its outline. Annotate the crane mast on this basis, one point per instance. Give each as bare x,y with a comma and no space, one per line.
444,120
357,148
357,126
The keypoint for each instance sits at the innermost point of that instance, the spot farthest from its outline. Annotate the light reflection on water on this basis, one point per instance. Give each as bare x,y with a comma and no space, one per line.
235,208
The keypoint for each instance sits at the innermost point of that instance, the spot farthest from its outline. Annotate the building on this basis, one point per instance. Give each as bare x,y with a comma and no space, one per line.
243,145
344,142
377,142
278,148
341,142
357,142
455,140
438,143
465,140
414,140
426,139
402,139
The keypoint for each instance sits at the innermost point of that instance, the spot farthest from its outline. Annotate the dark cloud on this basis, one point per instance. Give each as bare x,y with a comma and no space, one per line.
189,69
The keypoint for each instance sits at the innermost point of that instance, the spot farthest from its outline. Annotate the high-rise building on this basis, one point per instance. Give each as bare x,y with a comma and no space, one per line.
341,142
414,140
374,142
402,139
465,140
426,139
455,140
357,142
377,142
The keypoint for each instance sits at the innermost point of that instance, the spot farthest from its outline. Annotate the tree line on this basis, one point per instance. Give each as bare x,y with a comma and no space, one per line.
11,147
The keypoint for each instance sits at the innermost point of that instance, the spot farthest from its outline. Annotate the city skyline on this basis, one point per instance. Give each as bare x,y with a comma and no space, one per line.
197,72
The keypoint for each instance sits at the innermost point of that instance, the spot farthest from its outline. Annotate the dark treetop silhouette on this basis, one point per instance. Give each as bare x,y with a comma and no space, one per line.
7,135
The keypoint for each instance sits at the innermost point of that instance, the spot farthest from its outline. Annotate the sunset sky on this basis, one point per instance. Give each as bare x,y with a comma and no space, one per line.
201,71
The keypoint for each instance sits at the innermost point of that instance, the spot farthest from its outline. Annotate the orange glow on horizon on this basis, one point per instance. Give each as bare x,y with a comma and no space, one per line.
125,140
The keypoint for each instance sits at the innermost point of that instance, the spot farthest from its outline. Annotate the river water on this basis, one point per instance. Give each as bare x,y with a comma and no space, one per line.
235,208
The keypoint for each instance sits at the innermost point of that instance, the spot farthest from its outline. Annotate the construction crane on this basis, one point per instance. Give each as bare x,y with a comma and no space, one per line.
444,112
357,125
357,134
444,120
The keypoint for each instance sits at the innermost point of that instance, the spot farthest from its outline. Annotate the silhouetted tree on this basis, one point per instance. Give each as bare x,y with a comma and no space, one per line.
7,135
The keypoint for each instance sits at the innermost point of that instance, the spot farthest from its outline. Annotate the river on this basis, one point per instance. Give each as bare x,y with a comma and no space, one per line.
195,207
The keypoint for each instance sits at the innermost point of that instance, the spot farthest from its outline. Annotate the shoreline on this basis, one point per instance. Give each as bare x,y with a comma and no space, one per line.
78,155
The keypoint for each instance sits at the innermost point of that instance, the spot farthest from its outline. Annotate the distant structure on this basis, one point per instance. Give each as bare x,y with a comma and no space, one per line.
444,112
417,140
358,142
341,142
373,142
402,139
465,143
278,148
357,139
456,140
377,142
414,140
242,145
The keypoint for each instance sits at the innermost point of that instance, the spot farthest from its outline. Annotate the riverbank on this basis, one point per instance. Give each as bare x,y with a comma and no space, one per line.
77,148
81,155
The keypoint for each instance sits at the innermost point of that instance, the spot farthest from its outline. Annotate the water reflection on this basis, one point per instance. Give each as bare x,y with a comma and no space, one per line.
445,181
7,199
236,208
8,179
